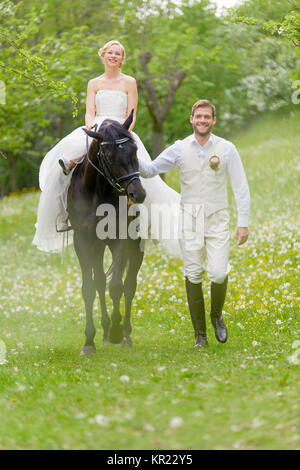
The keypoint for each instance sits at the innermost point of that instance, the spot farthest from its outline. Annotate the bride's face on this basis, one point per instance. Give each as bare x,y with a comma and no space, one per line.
113,57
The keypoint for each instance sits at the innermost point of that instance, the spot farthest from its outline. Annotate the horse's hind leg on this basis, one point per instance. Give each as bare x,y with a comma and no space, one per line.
130,283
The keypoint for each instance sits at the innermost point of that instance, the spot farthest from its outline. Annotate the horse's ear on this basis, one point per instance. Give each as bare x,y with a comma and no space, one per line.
129,120
95,135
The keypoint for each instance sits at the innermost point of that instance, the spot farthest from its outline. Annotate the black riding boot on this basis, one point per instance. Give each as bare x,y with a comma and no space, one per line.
218,294
197,311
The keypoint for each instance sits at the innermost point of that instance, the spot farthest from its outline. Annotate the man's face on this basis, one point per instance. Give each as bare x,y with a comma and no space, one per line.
203,121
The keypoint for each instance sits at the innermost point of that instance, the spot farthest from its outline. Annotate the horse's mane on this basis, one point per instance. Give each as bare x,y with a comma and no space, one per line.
113,130
110,131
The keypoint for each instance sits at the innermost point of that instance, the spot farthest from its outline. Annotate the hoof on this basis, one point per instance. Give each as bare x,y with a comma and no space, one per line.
116,335
86,350
126,343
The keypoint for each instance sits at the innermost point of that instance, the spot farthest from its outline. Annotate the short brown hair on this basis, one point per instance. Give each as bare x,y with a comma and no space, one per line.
204,104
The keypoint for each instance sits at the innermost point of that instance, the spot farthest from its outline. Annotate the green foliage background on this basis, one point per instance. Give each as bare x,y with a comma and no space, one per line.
49,52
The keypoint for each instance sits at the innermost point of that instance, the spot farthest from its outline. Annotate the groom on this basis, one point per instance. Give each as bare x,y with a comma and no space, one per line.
205,161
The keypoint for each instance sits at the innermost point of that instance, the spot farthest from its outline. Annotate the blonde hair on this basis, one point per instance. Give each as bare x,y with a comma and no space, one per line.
106,46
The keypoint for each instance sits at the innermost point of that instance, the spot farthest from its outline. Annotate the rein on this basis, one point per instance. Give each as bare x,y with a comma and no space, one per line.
104,169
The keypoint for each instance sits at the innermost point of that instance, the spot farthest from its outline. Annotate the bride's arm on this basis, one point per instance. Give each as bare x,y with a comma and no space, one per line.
132,100
90,105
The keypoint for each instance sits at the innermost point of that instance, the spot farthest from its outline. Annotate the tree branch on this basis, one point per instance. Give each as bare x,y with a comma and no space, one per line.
158,111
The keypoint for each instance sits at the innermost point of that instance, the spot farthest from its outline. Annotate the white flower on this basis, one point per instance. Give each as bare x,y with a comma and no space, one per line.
124,378
294,359
254,343
176,422
235,428
296,344
148,427
2,352
278,322
101,420
257,422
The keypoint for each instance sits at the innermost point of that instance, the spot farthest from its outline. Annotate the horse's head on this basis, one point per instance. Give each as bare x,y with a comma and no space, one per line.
116,158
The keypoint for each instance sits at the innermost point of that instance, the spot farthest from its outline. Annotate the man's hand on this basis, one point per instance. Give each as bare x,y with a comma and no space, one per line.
241,235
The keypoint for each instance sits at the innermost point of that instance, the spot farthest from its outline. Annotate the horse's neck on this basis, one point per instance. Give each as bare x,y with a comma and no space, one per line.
90,178
90,173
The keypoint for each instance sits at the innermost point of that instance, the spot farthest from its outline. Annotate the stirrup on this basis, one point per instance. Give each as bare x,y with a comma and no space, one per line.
65,227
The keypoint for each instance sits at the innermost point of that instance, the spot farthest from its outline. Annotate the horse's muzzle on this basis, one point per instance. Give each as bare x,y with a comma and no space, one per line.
136,191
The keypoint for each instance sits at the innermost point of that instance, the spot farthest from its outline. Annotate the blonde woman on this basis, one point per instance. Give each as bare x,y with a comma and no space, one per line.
111,95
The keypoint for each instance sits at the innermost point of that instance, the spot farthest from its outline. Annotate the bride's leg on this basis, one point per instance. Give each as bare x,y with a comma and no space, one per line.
73,150
62,219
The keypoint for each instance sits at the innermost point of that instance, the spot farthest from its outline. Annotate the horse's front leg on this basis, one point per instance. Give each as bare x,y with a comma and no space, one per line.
116,290
88,292
100,283
135,261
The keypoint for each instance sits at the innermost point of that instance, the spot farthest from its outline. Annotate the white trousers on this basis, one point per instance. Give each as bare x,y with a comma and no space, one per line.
213,245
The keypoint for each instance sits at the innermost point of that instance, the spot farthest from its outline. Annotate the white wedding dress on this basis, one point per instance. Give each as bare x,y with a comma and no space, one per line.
110,104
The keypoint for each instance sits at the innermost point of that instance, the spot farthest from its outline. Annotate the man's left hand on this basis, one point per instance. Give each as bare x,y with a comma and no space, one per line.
241,235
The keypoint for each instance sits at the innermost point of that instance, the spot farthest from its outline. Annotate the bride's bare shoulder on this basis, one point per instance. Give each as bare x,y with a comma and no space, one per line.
95,82
128,79
130,84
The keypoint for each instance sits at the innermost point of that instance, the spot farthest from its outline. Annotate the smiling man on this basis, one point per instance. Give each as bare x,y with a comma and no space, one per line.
205,161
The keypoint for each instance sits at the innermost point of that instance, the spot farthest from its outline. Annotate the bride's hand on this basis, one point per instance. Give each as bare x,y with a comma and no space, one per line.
88,127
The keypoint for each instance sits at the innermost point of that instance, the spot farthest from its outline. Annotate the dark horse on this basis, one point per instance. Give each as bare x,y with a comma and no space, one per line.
109,170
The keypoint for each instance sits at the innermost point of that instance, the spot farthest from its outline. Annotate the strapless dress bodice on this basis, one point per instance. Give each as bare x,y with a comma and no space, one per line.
111,104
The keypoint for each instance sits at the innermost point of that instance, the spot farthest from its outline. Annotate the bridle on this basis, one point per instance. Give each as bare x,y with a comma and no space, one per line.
105,170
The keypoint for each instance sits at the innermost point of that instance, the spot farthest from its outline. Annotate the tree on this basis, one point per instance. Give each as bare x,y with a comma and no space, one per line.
177,54
23,71
283,18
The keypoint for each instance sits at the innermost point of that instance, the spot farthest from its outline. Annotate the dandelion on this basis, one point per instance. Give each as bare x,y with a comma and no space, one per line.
148,427
294,359
2,352
257,422
101,420
176,422
278,322
124,378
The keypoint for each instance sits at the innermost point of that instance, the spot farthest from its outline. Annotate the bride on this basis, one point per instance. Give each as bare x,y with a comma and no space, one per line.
111,95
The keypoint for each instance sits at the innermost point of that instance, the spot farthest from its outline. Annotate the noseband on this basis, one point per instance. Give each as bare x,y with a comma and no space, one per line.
104,168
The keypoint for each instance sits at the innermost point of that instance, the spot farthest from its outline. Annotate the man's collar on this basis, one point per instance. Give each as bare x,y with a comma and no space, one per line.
207,143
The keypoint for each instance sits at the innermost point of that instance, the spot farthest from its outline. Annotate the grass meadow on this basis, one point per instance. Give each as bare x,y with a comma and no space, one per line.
162,394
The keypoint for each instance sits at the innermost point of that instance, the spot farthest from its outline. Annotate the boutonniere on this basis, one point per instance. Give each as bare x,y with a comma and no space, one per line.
214,162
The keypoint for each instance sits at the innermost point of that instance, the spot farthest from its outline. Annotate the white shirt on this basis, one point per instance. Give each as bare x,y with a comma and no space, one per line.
170,157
